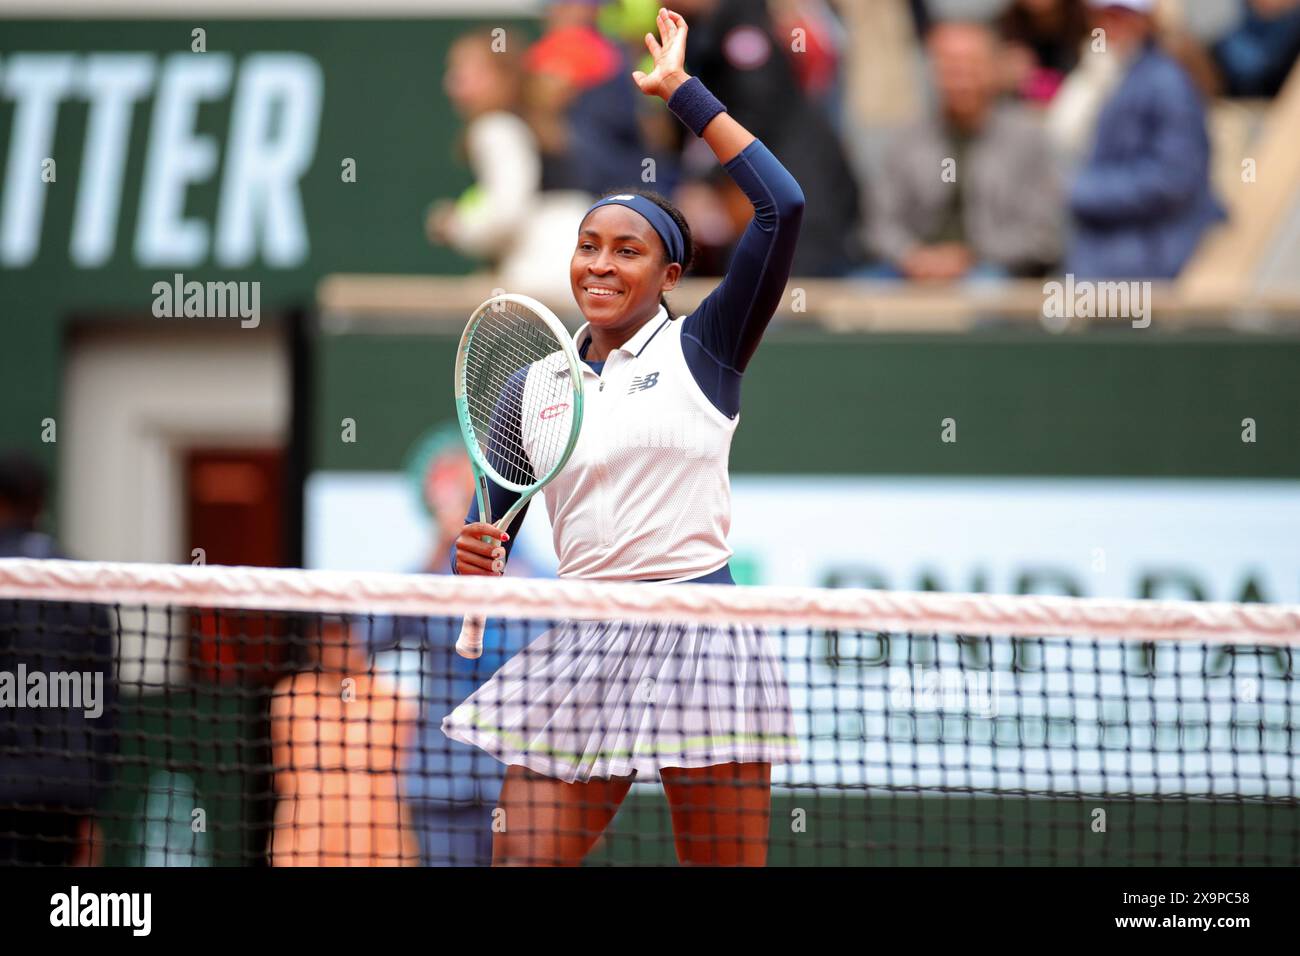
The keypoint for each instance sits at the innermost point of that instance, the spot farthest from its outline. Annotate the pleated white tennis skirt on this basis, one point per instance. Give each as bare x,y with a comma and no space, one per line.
600,699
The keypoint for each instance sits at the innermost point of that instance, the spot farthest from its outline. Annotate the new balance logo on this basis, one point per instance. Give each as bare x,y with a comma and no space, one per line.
641,382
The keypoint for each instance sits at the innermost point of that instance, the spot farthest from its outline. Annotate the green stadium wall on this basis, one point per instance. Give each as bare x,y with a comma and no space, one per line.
1111,404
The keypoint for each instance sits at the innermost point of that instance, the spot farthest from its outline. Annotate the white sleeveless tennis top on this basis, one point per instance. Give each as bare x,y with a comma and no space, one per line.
646,495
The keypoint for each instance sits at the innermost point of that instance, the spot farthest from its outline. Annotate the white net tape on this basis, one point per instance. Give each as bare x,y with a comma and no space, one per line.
343,592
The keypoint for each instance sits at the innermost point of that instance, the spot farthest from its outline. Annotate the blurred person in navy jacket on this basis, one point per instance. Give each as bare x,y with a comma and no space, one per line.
55,761
737,54
583,105
1142,200
1256,56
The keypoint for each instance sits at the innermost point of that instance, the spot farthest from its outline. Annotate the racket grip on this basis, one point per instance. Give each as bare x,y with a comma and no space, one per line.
470,643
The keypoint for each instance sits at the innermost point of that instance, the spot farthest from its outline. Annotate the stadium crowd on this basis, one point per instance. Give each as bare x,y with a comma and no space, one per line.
1058,136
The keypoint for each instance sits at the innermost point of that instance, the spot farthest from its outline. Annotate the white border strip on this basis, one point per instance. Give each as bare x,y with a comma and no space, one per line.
265,9
341,592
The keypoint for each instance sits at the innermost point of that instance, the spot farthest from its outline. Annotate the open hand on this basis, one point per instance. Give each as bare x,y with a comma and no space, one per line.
669,52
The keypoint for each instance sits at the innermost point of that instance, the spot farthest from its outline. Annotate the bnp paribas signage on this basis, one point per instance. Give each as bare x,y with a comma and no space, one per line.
273,100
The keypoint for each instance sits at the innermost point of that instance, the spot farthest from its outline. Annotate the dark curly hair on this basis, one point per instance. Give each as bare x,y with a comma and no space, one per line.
688,244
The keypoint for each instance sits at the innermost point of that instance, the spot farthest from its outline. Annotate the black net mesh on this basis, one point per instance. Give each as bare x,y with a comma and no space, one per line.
137,734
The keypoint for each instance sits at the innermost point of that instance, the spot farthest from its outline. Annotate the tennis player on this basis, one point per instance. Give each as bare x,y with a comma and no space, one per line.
585,708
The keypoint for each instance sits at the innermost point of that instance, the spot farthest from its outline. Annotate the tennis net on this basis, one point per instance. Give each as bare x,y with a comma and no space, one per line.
191,716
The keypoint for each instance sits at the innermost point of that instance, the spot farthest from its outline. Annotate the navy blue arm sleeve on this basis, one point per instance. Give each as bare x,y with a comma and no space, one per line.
720,337
504,432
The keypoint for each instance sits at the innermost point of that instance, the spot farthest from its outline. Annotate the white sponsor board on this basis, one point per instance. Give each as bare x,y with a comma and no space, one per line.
371,521
1075,715
1106,537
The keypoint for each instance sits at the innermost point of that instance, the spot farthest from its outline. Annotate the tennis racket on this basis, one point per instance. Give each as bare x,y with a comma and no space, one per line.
519,404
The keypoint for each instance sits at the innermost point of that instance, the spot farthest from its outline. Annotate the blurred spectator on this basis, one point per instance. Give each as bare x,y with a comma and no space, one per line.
585,106
884,74
337,733
736,54
718,211
1255,57
1071,118
526,235
627,22
1041,45
450,788
973,192
921,18
1184,37
818,62
22,503
55,762
1142,200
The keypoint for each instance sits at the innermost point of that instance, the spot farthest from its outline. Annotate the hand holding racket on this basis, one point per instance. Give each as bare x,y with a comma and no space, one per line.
519,405
480,549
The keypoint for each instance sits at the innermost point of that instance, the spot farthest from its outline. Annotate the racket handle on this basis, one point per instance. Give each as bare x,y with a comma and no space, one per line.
470,642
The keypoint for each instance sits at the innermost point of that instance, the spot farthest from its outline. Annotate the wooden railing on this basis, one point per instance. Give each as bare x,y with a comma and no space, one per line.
391,302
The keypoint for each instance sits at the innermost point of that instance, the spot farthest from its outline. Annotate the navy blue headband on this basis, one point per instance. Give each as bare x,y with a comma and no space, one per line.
659,220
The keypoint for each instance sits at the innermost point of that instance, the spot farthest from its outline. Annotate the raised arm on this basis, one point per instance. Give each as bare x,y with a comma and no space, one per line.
732,318
721,336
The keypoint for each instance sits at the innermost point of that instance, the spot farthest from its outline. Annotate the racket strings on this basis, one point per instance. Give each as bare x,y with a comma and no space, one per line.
508,404
504,353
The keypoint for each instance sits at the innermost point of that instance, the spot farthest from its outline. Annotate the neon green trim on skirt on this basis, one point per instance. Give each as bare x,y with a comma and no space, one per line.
516,741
